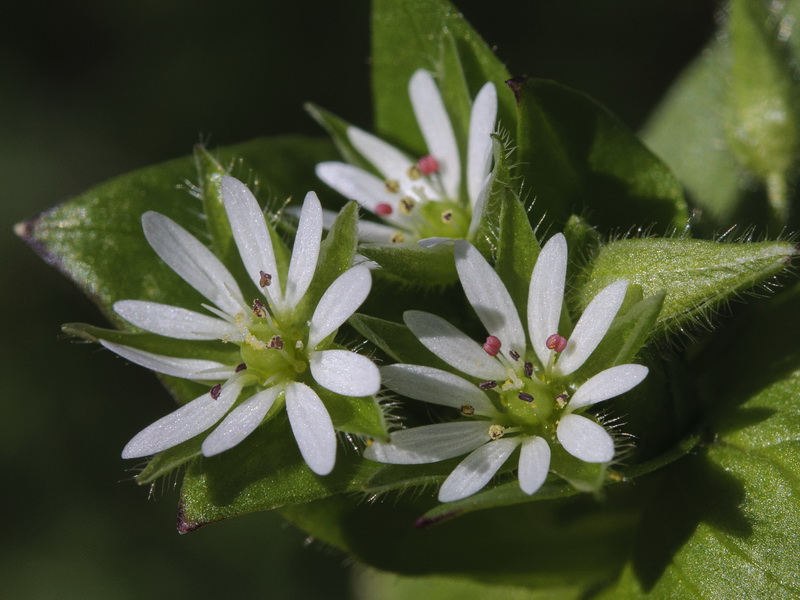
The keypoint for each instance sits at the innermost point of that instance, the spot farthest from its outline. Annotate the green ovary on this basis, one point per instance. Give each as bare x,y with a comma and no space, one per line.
538,412
436,218
270,363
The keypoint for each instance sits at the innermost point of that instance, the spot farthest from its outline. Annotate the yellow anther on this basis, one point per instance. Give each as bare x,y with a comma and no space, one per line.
392,186
407,205
397,237
413,172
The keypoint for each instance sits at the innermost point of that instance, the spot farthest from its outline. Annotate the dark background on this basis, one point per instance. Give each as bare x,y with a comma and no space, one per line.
93,89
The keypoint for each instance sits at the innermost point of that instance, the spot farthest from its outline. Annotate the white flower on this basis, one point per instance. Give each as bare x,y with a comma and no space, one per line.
278,346
421,199
526,396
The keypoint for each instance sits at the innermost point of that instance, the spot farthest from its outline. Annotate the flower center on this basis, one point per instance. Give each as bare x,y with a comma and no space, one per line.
270,355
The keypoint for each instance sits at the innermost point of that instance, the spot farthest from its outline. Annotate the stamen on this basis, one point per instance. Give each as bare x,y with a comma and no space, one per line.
514,354
428,165
383,209
556,342
525,397
467,410
392,186
407,205
266,279
528,367
414,172
487,385
398,237
492,345
240,367
561,400
496,431
259,309
447,217
215,391
276,342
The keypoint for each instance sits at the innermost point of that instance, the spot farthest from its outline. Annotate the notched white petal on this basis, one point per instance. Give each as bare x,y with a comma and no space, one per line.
437,387
345,372
306,250
546,294
592,327
312,428
240,423
359,185
429,443
185,368
251,236
608,384
452,345
534,463
173,321
190,259
479,149
475,471
489,297
339,302
183,424
585,439
434,123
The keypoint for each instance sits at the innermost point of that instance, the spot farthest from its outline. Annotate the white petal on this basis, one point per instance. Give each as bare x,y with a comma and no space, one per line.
185,368
546,294
488,296
452,345
312,428
434,123
188,421
190,259
434,241
339,302
608,384
592,327
479,150
534,463
305,251
173,321
345,372
361,186
475,471
240,423
429,443
251,236
375,232
585,439
436,386
479,203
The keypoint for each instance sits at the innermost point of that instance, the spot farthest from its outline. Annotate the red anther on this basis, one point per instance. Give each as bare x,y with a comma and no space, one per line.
383,209
556,342
428,165
492,345
215,391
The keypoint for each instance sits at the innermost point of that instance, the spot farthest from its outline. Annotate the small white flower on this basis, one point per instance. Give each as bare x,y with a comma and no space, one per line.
421,199
526,397
278,347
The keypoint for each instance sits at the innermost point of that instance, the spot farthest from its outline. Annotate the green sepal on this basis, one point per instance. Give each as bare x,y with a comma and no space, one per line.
577,157
362,416
335,257
167,461
396,340
209,183
337,129
697,275
456,94
628,333
263,472
583,476
762,101
412,264
408,35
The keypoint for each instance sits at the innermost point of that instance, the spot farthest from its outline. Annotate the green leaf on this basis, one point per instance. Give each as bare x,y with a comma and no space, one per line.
727,518
410,34
762,101
697,275
575,156
412,264
263,472
97,240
